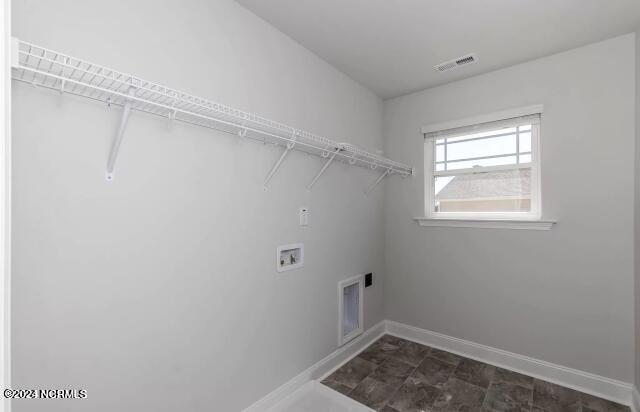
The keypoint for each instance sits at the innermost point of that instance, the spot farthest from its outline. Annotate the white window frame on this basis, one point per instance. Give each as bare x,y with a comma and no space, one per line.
508,117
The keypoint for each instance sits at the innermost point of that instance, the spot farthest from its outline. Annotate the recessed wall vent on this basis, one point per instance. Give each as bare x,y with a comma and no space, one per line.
454,64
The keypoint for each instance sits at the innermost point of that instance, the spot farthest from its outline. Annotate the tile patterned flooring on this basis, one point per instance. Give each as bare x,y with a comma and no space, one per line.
396,375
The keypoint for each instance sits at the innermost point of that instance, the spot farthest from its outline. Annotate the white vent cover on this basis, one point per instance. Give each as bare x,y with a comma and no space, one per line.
459,62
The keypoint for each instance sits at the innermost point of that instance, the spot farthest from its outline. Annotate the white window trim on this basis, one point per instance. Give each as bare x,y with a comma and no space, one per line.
485,118
511,220
487,223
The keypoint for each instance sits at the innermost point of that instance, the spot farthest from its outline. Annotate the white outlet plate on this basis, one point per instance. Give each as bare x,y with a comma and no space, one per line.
304,216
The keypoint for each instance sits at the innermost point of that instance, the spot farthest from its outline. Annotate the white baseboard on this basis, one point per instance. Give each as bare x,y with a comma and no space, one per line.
600,386
635,404
320,369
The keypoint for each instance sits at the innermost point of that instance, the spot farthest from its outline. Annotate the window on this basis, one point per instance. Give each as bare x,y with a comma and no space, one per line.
484,171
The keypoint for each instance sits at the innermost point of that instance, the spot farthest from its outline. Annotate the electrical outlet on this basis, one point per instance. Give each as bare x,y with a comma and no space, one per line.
304,216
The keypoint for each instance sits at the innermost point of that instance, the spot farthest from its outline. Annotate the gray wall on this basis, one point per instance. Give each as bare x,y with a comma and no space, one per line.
158,292
637,222
565,295
144,287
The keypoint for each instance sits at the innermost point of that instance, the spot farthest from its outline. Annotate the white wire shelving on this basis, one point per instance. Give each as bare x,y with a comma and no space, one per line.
50,69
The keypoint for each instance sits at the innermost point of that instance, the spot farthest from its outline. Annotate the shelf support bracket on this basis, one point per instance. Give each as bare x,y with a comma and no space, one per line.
324,168
115,146
373,186
243,130
276,166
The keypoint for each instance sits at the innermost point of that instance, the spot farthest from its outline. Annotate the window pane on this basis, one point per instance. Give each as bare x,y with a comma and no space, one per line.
525,142
480,148
525,158
441,182
440,167
440,153
500,191
496,161
524,128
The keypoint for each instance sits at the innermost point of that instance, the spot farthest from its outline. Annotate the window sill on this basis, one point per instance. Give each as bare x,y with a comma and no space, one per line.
487,223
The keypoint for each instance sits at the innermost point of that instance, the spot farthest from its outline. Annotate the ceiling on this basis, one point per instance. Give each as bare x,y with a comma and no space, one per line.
391,46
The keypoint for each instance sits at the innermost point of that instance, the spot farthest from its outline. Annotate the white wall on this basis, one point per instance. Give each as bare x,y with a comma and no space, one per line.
5,203
636,260
565,295
158,292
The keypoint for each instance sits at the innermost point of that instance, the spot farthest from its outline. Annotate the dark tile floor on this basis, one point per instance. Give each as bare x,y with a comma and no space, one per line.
396,375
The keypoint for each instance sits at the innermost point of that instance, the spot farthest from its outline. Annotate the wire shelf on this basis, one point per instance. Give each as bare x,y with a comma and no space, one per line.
53,70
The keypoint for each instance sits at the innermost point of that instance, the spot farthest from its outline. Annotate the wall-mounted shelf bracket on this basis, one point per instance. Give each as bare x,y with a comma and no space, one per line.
330,158
243,131
377,182
276,166
63,81
115,146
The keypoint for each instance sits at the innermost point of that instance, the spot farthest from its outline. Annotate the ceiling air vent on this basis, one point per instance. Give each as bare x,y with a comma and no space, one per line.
454,64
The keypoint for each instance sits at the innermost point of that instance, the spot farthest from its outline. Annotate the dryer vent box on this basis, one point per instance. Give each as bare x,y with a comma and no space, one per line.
350,307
